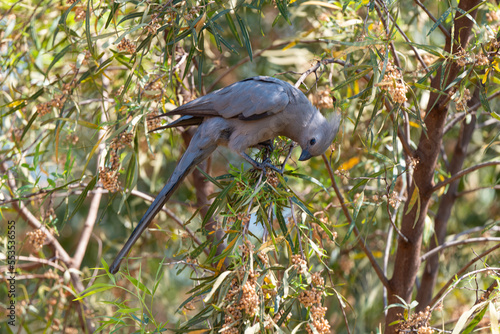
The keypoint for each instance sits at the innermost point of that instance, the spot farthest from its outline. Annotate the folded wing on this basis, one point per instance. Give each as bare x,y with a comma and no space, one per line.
250,99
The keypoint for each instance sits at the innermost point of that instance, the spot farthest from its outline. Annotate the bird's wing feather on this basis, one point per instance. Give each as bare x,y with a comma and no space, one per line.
250,99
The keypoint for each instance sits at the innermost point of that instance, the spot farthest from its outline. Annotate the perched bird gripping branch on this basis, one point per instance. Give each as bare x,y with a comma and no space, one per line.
242,115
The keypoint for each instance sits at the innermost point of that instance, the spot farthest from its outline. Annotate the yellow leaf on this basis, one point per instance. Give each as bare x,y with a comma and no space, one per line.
415,125
485,76
200,23
321,4
14,104
350,163
290,45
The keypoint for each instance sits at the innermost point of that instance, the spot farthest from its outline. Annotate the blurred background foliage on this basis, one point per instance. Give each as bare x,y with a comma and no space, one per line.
79,80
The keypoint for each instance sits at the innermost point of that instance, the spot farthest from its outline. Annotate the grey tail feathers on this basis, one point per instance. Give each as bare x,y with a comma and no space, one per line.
189,160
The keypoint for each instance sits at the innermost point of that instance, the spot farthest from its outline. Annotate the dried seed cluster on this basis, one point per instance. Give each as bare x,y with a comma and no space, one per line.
126,45
417,323
191,13
109,179
299,263
394,199
317,315
273,180
80,14
50,274
242,299
393,83
461,101
58,100
244,218
312,298
153,89
153,123
36,238
109,175
322,99
492,16
154,25
462,57
482,60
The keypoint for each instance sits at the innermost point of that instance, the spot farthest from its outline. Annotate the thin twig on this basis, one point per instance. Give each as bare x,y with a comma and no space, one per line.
454,281
245,228
456,243
462,173
297,228
33,259
32,220
255,55
361,240
441,27
465,192
172,215
393,49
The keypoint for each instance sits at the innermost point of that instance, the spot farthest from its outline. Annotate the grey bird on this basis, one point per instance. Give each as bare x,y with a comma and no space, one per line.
245,114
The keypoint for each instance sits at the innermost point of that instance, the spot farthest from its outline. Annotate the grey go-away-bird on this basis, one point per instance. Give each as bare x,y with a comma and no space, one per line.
242,115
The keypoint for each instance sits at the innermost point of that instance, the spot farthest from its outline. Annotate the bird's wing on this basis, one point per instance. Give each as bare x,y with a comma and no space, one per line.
250,99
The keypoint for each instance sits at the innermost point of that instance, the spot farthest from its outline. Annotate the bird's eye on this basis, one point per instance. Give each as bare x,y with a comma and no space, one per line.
313,141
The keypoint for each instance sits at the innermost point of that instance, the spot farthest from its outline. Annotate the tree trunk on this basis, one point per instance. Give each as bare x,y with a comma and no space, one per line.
407,259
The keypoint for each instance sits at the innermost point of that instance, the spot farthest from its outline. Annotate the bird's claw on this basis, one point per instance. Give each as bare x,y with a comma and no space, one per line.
267,164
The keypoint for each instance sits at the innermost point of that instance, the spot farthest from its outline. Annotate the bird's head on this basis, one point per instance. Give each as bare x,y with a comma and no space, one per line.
319,136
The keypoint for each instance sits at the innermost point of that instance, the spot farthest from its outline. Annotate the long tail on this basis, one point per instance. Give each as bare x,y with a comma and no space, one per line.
194,155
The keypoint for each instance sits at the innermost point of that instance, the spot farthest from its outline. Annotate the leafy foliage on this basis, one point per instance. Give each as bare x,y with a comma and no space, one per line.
328,245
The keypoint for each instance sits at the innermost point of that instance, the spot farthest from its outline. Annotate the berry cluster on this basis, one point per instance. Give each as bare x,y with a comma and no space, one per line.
109,175
80,14
299,263
242,300
461,101
36,238
154,25
323,99
311,298
317,315
482,60
153,89
417,323
273,180
462,57
58,100
153,122
393,83
126,45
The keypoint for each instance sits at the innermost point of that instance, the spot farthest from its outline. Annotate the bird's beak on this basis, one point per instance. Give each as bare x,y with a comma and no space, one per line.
305,155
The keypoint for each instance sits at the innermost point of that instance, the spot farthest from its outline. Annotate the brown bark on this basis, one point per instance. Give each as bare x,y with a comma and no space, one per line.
429,275
407,259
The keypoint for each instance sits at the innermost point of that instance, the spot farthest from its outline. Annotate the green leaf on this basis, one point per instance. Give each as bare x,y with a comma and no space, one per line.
357,206
217,203
465,317
216,285
484,99
232,27
246,37
130,16
58,57
79,201
441,19
87,30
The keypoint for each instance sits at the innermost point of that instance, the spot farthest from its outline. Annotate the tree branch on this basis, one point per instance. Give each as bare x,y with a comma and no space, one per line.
440,26
361,240
456,243
462,173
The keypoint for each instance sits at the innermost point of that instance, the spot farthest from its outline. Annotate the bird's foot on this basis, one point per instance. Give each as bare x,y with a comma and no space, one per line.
267,164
